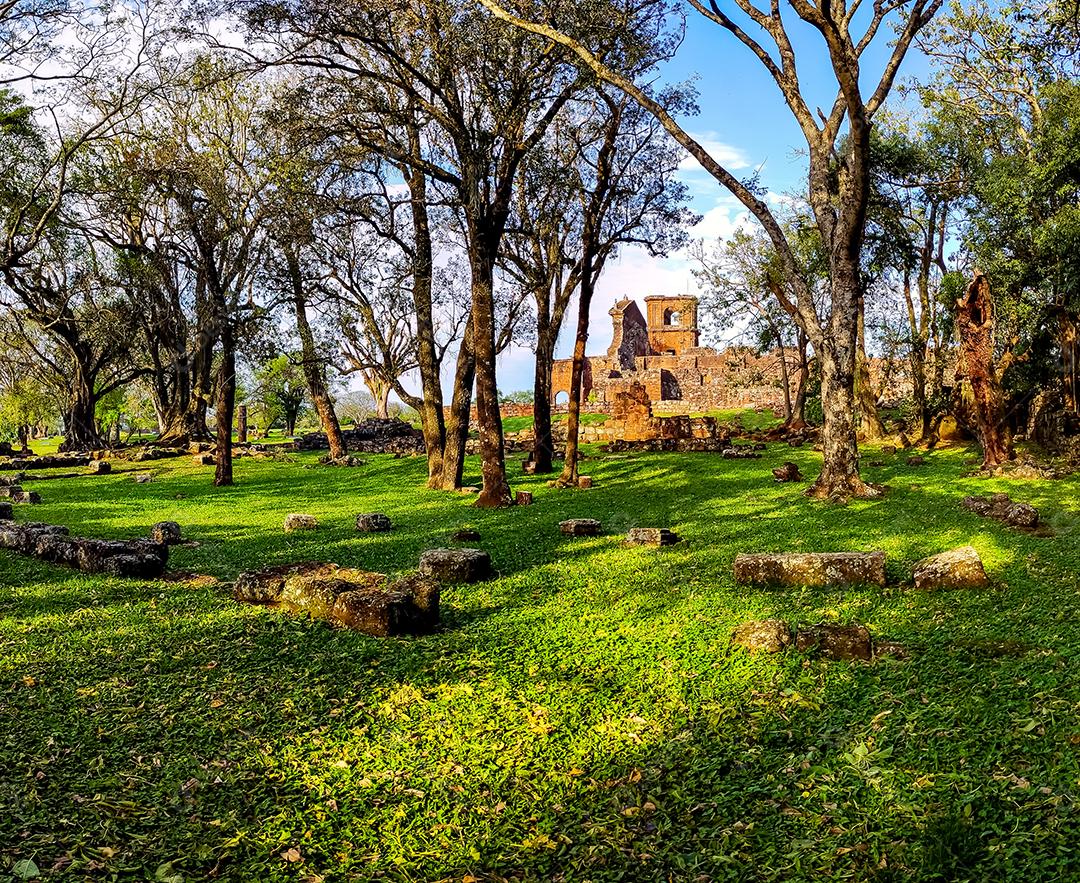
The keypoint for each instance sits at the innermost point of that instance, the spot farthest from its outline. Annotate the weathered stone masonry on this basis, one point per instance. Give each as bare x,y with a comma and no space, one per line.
663,355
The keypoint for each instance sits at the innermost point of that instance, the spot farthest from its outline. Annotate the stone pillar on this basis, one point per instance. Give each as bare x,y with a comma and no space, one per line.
241,425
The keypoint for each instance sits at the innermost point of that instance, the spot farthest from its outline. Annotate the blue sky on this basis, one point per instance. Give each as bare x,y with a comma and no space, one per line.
744,121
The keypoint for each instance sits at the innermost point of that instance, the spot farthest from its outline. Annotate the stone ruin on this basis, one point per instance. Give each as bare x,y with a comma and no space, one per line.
46,542
375,436
1001,507
816,569
662,354
362,600
960,568
346,597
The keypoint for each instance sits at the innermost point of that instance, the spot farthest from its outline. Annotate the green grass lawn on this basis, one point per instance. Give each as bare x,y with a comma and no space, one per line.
580,718
517,424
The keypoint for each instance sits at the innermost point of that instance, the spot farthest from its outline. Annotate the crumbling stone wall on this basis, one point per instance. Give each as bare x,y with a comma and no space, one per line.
675,371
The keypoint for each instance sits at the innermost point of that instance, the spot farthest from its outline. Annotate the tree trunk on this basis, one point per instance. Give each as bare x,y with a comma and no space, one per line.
82,432
569,475
975,324
785,378
202,373
173,402
871,427
543,452
798,416
1069,341
496,489
313,367
432,419
457,424
241,425
226,398
839,479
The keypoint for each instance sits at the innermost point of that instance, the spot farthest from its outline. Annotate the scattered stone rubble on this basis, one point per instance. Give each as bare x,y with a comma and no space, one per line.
1002,508
373,522
763,636
788,472
960,568
835,641
651,536
355,599
828,640
136,558
370,437
166,532
52,461
456,565
297,521
811,569
580,527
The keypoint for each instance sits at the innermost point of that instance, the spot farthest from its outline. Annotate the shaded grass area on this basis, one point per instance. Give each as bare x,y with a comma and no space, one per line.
582,717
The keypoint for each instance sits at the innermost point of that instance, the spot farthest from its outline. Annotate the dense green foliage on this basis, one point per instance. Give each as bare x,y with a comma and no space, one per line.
580,718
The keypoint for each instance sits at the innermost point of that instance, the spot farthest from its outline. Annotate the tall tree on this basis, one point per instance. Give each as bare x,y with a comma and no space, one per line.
572,195
489,93
1005,92
838,146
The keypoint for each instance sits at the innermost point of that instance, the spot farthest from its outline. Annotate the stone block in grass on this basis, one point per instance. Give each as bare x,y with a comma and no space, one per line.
651,536
835,641
299,522
580,527
811,569
960,568
456,565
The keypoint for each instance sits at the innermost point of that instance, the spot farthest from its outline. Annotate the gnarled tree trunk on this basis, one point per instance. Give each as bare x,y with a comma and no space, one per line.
313,367
543,452
496,489
837,354
975,325
457,423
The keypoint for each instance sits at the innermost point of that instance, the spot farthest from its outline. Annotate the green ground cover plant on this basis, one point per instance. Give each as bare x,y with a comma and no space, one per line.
581,718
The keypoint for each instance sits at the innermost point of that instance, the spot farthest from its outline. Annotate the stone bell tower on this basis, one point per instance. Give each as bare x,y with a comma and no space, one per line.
672,321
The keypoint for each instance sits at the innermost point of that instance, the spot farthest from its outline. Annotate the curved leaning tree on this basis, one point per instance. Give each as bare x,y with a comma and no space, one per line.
838,147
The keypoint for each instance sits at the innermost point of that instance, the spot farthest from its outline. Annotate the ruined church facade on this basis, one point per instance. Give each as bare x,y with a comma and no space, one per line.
661,351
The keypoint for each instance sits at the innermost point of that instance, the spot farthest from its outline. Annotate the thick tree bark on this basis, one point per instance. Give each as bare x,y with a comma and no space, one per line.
975,324
837,354
432,418
81,431
226,392
202,393
569,475
798,409
496,489
1069,341
785,378
226,398
171,390
313,367
543,452
457,424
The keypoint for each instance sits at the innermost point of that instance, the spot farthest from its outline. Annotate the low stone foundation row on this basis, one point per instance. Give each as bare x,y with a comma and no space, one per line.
48,542
370,437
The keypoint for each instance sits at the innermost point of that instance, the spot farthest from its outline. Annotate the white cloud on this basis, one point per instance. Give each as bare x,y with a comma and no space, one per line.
728,155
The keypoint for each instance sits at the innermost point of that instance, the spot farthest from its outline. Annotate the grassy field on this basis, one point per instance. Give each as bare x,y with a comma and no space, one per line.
581,718
516,424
